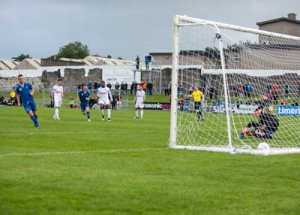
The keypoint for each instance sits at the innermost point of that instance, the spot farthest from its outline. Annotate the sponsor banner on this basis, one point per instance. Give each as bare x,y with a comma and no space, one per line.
239,109
157,106
288,110
244,109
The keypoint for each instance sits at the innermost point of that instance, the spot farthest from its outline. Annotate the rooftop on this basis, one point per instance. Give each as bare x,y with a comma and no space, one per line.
291,18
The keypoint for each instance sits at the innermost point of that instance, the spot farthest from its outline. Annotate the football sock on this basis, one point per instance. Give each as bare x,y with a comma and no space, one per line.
142,114
137,113
109,113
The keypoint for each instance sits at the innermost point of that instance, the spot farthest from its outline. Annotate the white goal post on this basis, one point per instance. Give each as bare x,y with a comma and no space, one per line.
250,81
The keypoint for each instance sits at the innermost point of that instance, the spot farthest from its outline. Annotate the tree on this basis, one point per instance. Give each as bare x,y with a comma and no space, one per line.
21,57
75,50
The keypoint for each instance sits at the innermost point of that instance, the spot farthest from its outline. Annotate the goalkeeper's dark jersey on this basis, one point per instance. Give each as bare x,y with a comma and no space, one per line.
270,121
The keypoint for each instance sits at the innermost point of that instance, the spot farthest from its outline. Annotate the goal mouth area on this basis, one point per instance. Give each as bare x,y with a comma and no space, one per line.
232,150
232,86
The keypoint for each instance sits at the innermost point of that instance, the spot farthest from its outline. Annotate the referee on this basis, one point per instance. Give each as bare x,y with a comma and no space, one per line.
197,96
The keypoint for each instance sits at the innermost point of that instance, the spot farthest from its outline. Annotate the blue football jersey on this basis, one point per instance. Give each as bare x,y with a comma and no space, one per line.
24,90
84,96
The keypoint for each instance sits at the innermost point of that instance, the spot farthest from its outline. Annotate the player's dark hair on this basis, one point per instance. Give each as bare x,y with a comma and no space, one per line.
60,79
20,75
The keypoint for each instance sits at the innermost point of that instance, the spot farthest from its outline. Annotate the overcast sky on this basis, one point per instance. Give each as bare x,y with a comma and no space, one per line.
122,28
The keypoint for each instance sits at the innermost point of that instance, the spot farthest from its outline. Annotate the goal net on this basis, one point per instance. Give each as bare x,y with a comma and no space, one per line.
234,89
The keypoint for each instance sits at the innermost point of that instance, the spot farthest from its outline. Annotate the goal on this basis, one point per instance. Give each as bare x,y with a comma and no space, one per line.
250,81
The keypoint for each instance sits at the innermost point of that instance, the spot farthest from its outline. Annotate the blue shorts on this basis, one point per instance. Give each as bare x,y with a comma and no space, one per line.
84,106
29,106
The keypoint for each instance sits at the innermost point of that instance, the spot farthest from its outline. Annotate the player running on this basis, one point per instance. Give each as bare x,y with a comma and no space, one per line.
24,94
197,96
84,97
104,100
57,95
139,102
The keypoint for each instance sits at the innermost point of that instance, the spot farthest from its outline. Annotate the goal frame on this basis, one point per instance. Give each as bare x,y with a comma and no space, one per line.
181,21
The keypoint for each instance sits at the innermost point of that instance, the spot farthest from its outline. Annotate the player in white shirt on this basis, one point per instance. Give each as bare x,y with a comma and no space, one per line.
104,100
139,102
57,95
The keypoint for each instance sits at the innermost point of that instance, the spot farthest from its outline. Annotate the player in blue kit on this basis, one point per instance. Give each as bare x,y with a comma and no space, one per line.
24,94
84,97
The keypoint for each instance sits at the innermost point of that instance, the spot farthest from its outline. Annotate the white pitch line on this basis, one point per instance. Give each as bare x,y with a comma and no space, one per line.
32,154
41,132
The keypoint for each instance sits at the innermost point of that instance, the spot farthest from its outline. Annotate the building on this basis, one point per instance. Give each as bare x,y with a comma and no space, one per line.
8,64
285,25
87,61
99,61
28,64
55,61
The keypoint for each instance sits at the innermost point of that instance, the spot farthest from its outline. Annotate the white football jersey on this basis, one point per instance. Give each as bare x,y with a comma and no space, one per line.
104,94
140,96
57,92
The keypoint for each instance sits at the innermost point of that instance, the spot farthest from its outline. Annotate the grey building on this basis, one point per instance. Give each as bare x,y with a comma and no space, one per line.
285,25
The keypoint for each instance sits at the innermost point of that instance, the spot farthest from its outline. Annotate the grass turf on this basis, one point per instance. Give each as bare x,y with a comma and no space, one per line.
124,167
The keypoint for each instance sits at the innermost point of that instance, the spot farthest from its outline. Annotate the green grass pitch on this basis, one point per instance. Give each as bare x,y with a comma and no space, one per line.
125,167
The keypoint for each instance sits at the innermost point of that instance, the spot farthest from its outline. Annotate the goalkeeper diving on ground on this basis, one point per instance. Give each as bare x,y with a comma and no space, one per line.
265,127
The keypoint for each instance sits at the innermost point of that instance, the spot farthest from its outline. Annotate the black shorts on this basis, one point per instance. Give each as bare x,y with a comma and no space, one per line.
198,105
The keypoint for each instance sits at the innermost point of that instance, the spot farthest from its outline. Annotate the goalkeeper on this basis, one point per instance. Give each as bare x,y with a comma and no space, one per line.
197,96
266,126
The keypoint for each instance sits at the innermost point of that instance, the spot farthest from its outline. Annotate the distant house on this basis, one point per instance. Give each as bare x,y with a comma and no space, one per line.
55,61
88,61
29,64
98,61
285,25
8,64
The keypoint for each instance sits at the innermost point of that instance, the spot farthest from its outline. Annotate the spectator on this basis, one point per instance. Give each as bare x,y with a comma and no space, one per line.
144,85
133,88
148,60
96,86
124,88
137,60
117,86
241,90
248,88
211,93
90,87
168,90
114,102
149,88
286,91
275,91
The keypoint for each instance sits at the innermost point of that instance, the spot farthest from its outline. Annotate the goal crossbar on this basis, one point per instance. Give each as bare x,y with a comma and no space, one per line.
180,20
